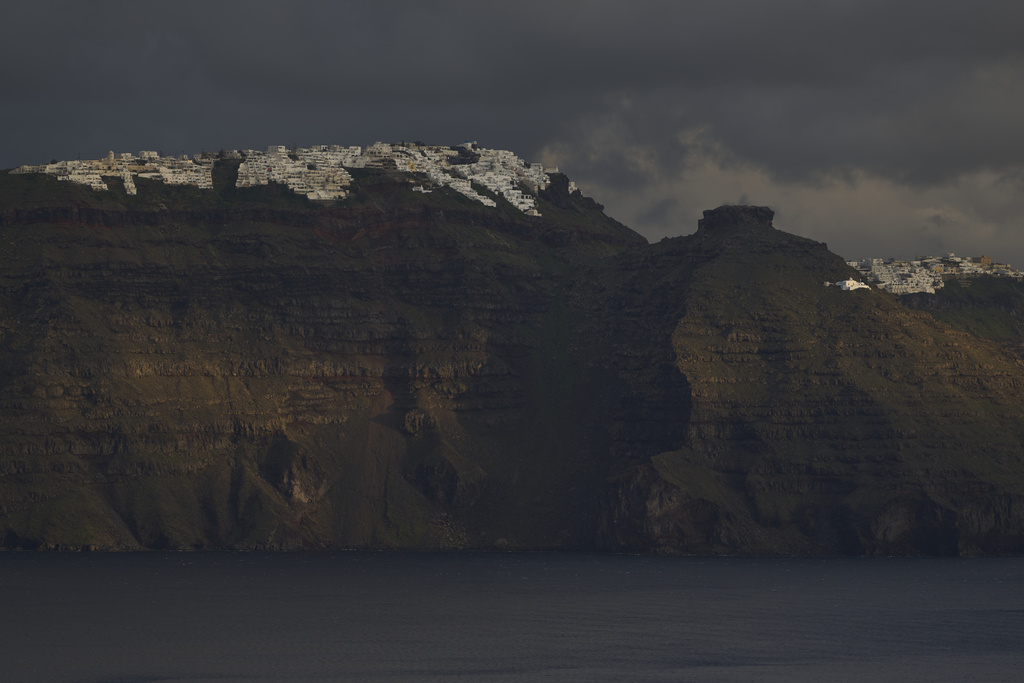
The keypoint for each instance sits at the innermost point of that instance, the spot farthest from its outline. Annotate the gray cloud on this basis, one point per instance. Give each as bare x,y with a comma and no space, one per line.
909,111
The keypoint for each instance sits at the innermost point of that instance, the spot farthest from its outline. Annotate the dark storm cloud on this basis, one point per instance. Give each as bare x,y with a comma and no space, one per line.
820,81
626,97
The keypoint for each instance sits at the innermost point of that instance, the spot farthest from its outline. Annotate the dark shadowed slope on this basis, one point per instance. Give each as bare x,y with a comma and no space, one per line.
245,369
818,420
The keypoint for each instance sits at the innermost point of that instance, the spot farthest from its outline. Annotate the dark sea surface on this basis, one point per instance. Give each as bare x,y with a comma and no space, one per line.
357,616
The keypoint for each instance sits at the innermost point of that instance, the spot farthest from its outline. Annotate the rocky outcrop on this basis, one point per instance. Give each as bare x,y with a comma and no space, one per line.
735,217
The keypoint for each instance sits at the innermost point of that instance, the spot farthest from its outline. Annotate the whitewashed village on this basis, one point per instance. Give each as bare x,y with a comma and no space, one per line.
321,172
926,274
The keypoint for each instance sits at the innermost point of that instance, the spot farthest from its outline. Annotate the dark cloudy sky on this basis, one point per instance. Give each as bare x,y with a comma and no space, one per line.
883,128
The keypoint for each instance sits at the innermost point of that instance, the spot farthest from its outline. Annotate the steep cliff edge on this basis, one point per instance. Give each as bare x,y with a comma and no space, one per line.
406,370
238,372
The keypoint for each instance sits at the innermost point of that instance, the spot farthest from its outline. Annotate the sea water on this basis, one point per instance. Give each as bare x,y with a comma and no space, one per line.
360,616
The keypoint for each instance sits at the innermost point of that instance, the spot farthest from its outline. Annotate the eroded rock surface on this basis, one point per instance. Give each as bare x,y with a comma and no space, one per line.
413,371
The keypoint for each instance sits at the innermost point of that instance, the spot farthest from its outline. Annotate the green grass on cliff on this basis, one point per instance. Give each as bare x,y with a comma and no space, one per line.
987,307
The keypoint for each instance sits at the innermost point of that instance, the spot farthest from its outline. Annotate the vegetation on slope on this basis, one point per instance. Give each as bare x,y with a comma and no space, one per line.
987,307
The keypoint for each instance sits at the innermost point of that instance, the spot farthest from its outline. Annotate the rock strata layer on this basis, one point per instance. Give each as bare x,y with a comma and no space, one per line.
414,371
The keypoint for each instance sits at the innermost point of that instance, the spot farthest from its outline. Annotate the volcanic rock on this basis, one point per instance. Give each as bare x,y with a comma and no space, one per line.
410,370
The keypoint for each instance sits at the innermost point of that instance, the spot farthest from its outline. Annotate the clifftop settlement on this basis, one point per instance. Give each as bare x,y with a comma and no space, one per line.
321,172
929,273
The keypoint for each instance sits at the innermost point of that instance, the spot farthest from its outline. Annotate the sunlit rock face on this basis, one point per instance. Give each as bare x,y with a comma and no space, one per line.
244,368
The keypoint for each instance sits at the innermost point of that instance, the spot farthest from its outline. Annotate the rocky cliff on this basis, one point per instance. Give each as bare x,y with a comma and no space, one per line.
806,419
401,370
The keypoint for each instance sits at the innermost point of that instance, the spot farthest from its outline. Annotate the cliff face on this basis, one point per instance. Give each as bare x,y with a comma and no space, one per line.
414,371
244,375
817,420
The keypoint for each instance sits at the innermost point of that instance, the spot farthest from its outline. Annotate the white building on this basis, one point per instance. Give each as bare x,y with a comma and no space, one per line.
319,172
849,285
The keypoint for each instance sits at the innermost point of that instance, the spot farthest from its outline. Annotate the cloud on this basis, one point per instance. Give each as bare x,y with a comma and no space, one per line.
661,109
858,214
